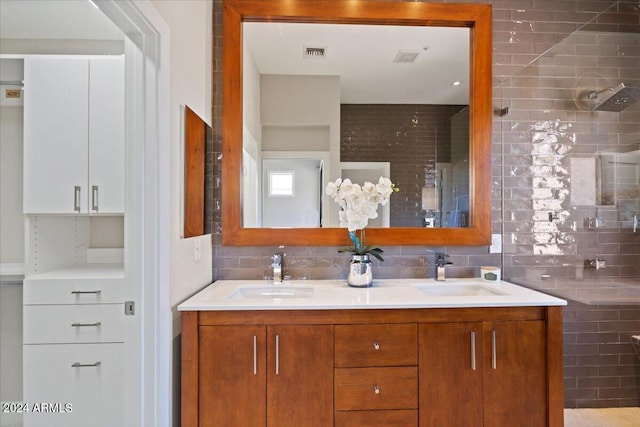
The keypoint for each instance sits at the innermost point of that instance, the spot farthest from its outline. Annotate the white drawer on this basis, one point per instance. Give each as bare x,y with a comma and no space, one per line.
73,291
83,323
95,393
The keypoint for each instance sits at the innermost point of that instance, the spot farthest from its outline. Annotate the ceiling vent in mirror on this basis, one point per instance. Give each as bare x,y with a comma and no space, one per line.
314,52
406,56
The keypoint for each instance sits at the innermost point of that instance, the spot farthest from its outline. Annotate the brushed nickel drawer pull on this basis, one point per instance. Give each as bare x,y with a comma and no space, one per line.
255,355
94,198
86,292
76,198
77,325
277,354
494,362
86,365
376,345
473,350
376,389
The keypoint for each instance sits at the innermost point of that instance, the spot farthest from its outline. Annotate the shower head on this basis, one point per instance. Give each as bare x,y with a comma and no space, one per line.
614,99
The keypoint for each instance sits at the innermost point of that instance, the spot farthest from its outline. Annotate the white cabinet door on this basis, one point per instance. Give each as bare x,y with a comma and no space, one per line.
76,385
56,94
106,135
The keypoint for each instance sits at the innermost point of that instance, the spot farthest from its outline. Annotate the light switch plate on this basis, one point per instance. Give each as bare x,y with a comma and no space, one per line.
496,244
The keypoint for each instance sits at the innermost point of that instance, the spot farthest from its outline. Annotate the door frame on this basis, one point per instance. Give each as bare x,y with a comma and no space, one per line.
147,201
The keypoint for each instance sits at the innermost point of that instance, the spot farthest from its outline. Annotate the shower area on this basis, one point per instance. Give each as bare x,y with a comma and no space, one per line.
570,187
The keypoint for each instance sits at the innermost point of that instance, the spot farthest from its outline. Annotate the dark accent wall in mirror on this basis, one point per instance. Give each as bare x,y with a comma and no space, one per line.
267,104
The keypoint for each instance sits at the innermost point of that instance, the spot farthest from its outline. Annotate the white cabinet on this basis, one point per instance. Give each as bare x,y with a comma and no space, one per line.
82,385
73,353
73,135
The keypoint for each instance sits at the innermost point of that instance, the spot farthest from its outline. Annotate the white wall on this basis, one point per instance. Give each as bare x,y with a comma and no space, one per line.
303,208
251,95
11,348
11,218
190,26
309,104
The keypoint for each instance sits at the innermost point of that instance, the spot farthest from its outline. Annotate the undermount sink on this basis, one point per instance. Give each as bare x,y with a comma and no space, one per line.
272,291
458,290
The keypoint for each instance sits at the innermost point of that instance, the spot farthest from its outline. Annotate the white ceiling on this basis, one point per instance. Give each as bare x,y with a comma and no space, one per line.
55,19
362,55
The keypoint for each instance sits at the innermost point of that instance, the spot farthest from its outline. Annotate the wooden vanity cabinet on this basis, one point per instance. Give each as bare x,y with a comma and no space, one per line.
483,373
488,367
259,375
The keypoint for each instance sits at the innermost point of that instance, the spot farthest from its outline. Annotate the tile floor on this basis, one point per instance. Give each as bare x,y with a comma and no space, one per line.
605,417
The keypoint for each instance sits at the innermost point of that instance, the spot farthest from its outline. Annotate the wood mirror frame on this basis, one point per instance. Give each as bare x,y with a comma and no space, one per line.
476,17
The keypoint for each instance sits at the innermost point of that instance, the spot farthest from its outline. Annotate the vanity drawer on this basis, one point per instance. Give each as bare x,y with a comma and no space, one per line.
376,388
396,417
47,324
73,291
376,345
91,393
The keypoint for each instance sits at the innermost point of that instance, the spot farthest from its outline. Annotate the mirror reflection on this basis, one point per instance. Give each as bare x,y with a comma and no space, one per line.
323,101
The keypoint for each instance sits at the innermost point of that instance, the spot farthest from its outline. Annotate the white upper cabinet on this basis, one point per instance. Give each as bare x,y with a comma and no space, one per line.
106,135
73,135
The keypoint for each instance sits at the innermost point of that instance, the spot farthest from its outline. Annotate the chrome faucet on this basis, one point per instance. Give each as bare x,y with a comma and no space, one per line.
276,264
441,263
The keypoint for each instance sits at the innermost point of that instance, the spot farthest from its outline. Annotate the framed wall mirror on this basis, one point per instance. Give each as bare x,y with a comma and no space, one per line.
319,90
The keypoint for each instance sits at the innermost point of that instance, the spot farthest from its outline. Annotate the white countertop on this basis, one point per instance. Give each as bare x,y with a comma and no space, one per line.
384,294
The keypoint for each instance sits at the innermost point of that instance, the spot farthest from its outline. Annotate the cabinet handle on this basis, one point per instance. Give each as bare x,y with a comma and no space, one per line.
255,355
76,198
494,363
473,350
376,389
86,365
86,292
77,325
376,346
94,198
277,354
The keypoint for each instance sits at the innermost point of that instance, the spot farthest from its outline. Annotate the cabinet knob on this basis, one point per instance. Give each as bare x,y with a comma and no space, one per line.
376,389
376,345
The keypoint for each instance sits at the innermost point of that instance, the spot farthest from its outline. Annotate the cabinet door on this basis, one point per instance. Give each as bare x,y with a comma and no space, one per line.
450,366
300,375
106,135
56,93
232,384
515,374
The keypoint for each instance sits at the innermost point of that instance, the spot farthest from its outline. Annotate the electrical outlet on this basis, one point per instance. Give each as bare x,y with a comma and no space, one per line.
196,250
496,244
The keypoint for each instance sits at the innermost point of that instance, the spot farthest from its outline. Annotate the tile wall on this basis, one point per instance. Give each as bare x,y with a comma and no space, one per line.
412,138
549,129
601,368
536,76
